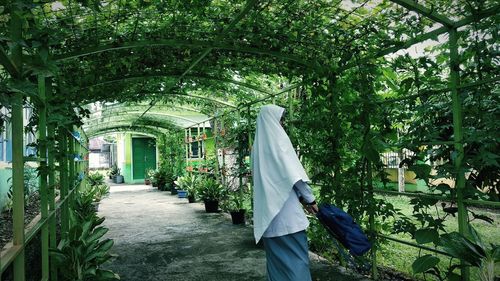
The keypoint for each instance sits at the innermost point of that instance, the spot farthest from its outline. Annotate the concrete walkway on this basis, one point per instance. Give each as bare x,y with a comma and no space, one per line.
161,237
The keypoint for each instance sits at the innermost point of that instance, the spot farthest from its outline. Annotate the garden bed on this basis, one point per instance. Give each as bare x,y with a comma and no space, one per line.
32,209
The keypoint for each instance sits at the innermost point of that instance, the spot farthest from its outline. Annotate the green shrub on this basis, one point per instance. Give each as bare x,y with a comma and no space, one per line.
81,255
189,183
95,179
211,190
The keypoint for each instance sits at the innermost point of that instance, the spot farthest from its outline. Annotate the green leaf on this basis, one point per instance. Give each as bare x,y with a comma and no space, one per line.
495,252
422,171
97,234
462,248
424,263
426,235
105,245
454,277
75,232
483,218
443,187
107,275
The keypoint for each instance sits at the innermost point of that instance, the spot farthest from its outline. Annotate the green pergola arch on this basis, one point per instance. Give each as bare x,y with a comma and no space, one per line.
120,107
152,116
163,75
149,131
14,63
179,43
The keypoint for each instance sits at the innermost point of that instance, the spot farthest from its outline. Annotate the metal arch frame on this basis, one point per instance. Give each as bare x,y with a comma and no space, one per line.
192,96
162,75
156,126
91,121
414,6
425,36
130,106
141,122
177,43
132,129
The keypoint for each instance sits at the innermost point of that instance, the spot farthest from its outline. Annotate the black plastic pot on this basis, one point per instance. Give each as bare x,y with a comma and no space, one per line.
173,191
191,198
238,217
211,206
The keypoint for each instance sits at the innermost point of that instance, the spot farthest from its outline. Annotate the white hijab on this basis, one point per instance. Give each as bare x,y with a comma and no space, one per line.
275,168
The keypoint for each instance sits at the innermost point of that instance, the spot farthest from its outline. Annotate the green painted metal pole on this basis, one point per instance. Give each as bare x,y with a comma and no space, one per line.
18,184
458,138
223,145
186,147
17,150
371,219
71,175
369,179
250,145
52,178
42,150
63,180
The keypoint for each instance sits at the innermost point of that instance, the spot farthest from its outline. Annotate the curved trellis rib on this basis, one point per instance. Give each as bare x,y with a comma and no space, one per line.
123,128
179,43
425,36
120,107
117,117
163,75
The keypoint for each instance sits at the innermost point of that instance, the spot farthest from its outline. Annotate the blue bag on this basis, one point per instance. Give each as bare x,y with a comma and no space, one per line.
343,227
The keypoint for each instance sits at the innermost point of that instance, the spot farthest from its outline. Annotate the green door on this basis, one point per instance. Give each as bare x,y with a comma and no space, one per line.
143,156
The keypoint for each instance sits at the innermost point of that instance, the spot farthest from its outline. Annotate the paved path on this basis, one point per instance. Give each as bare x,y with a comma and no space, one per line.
161,237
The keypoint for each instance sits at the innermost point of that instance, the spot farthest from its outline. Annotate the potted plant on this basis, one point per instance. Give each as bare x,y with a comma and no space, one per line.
211,192
181,183
152,177
161,179
171,181
190,184
236,208
119,178
113,172
234,204
191,187
147,177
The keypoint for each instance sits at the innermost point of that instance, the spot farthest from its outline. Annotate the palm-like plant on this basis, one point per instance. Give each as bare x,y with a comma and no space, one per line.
211,190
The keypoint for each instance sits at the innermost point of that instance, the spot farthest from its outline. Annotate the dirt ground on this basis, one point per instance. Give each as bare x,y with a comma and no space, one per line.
161,237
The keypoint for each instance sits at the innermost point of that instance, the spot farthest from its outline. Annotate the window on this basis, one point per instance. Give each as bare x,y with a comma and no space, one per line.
8,143
195,145
2,157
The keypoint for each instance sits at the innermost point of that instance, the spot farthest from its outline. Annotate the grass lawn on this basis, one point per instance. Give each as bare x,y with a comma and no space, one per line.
401,257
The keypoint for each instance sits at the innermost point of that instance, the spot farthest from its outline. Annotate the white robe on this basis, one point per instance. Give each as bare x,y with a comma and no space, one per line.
275,168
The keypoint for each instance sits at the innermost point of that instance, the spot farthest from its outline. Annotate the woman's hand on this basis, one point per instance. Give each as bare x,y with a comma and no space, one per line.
312,208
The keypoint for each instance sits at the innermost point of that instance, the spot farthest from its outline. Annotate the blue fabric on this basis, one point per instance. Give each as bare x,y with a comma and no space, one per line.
287,257
344,228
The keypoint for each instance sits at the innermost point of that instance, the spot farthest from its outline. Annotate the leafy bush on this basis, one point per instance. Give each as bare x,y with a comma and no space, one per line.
95,179
81,254
211,190
114,171
189,183
30,186
474,252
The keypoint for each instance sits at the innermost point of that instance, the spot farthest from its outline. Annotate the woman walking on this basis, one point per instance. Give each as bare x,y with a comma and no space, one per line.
279,189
